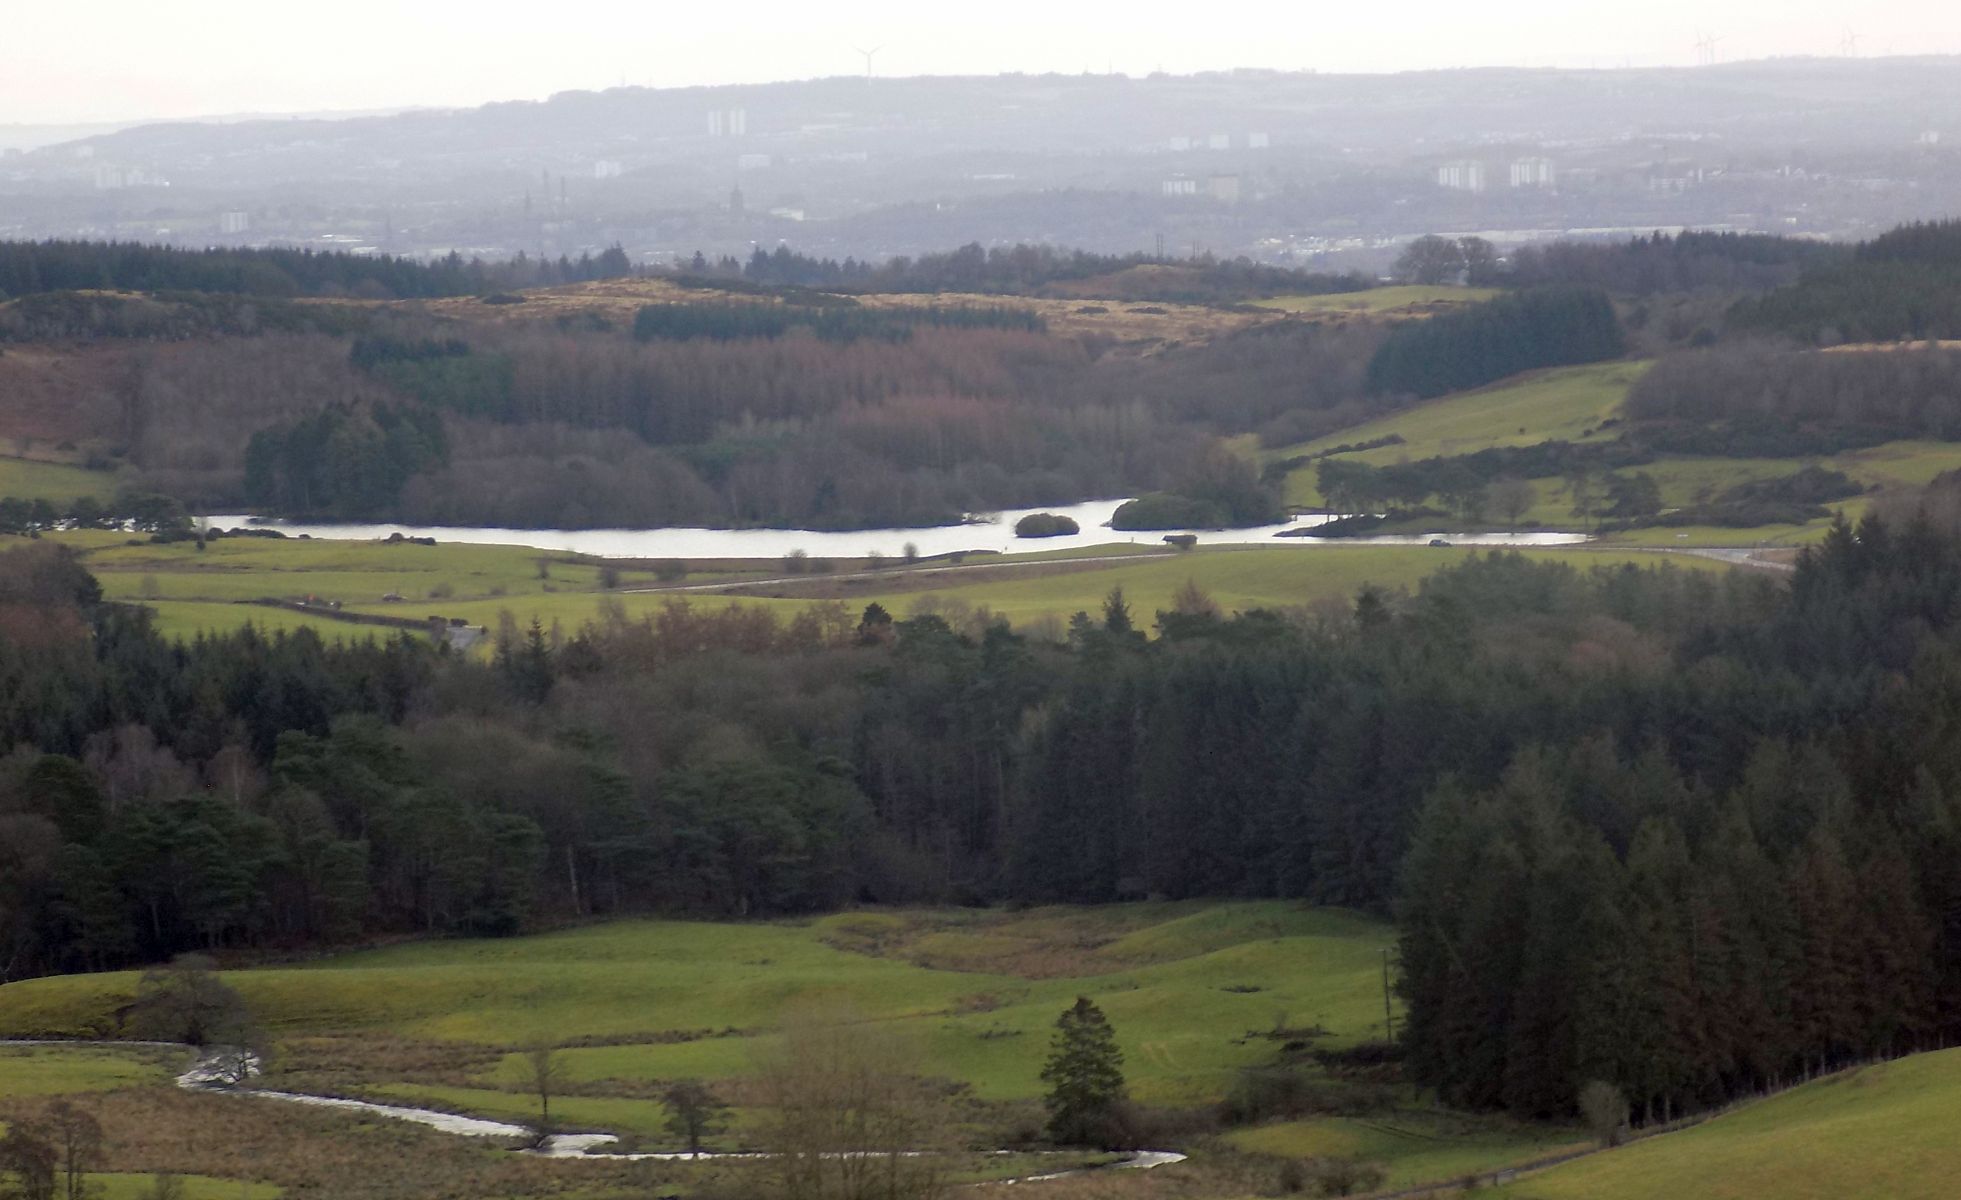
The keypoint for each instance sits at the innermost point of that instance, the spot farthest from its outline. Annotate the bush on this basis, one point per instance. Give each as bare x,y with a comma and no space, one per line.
1041,525
1605,1110
1345,1176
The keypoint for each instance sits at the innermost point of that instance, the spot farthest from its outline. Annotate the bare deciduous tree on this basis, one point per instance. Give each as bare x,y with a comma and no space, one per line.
544,1070
77,1140
187,1002
848,1122
1512,499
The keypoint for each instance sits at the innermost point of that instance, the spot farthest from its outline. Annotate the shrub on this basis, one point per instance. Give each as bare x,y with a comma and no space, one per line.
1345,1176
1041,525
1605,1110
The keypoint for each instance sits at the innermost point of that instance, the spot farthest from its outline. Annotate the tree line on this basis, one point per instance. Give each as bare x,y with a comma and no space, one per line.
1690,261
28,268
1030,270
1761,399
1903,284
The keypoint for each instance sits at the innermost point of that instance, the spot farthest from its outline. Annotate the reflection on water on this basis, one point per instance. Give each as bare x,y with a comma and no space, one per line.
995,532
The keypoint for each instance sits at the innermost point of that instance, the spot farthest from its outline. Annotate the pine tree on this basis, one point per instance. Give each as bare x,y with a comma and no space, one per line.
1084,1074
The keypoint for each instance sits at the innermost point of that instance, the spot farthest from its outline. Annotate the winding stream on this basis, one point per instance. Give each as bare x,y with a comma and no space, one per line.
219,1070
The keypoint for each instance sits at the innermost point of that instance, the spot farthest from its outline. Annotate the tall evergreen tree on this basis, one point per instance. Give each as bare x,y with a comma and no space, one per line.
1085,1076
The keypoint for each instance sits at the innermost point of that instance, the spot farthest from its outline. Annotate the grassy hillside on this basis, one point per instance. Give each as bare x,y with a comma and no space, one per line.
1570,404
66,1070
1195,991
1563,403
1885,1130
977,992
1411,1148
27,479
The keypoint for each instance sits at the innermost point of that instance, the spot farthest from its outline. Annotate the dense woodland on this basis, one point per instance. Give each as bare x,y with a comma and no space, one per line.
788,401
1687,832
1692,261
851,417
1483,343
1902,285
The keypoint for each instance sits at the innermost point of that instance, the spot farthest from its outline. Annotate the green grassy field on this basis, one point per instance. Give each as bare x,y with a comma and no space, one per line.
1563,403
291,568
1411,1149
1379,300
188,618
1192,988
195,592
1238,580
63,1070
976,992
27,479
1880,1131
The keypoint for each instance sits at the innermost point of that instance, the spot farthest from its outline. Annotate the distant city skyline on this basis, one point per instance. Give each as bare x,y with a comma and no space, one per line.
131,60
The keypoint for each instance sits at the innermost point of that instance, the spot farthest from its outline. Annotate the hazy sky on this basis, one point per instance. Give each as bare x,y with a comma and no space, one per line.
84,60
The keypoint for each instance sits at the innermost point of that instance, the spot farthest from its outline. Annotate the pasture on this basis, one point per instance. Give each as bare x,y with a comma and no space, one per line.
1412,1147
193,591
1191,989
1566,403
1882,1130
30,479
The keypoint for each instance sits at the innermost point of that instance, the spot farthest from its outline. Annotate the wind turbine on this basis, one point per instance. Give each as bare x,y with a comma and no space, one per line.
868,59
1848,43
